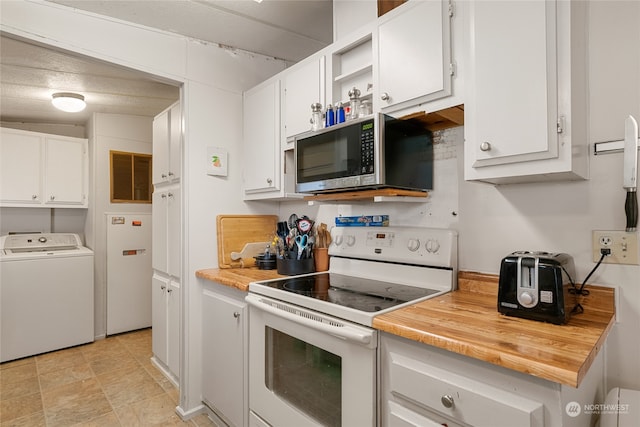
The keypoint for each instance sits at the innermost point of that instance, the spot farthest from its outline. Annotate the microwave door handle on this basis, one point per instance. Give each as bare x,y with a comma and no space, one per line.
344,332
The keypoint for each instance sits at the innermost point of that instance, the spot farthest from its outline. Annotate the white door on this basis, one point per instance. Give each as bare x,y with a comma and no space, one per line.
128,272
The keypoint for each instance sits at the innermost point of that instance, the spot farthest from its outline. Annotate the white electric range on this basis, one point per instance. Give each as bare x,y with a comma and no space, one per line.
311,335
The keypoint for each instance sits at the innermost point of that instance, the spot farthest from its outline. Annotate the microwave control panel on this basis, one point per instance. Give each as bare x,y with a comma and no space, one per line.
367,155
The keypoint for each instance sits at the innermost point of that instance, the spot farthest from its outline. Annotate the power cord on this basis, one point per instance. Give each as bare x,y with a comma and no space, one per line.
582,291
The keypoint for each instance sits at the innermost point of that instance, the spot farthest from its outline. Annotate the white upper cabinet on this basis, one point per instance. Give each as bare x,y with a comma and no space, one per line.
65,171
20,168
414,54
525,107
261,145
167,145
43,170
302,86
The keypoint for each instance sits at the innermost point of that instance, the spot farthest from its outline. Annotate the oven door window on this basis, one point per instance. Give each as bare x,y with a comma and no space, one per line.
305,376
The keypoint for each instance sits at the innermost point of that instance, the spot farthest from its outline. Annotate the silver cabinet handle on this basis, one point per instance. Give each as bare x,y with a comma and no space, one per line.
236,314
269,181
163,287
169,290
170,194
170,173
52,197
385,96
164,175
34,197
447,401
164,196
485,146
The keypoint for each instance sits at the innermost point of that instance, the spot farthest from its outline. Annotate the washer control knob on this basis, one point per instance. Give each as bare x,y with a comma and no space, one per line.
338,239
432,246
42,239
413,244
526,298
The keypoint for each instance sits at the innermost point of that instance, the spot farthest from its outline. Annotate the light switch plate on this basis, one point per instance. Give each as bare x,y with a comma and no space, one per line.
623,246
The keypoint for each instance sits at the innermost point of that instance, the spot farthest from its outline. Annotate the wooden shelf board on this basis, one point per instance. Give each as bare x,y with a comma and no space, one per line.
439,120
380,195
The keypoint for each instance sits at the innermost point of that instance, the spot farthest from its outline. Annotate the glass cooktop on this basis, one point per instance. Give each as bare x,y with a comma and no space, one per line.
360,294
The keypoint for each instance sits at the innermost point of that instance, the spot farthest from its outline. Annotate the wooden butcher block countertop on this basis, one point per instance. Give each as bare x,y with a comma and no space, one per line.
467,322
238,278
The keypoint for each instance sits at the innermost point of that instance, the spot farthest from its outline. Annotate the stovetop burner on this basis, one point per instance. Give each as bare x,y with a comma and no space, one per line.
353,292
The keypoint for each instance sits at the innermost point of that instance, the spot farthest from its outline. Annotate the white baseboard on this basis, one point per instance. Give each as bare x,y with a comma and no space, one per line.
165,371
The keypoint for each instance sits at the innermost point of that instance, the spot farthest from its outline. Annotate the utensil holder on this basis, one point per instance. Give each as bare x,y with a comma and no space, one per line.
293,267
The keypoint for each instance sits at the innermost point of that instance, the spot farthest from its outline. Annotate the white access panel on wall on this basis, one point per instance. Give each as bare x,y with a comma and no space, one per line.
128,272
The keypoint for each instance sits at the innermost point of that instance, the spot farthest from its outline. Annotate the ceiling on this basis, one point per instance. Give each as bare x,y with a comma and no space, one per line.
30,73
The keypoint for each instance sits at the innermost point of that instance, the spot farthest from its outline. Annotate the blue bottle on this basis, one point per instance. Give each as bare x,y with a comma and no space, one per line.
329,117
340,117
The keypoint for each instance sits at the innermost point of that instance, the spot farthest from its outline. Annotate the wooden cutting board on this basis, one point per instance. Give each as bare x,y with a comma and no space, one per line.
235,231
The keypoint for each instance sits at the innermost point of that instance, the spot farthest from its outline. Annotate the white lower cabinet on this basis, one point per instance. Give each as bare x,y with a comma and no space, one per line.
225,382
425,386
165,319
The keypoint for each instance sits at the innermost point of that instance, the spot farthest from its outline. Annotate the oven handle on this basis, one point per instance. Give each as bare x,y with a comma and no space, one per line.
345,332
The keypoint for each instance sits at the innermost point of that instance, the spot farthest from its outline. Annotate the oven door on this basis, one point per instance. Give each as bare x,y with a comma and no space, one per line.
308,369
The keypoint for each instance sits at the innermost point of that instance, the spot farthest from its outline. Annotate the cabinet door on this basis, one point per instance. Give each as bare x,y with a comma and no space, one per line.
173,327
159,286
159,225
302,87
175,142
65,164
261,158
160,150
173,230
414,53
223,358
512,92
20,166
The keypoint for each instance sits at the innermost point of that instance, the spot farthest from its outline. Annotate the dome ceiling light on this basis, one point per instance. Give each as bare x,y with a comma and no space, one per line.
69,102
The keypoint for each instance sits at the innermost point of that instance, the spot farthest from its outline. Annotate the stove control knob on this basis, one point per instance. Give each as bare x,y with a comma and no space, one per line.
338,239
413,244
351,240
432,246
42,240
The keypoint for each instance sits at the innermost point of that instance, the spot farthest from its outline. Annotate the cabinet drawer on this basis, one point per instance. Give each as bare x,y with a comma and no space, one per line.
459,398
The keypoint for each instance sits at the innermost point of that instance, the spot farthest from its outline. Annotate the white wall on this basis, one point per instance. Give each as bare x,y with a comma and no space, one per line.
213,78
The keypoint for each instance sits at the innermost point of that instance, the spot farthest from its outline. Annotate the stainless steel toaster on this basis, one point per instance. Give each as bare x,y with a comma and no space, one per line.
535,285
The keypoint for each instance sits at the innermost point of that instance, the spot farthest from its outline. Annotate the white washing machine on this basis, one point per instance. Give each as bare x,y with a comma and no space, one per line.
46,294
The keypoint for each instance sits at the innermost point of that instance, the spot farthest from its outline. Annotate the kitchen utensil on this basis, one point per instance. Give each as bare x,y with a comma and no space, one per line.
301,243
304,225
293,221
630,172
235,231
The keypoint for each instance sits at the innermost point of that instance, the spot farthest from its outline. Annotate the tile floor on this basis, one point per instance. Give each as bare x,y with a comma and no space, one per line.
110,382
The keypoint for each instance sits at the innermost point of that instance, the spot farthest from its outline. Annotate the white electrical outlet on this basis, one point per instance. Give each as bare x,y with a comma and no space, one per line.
622,244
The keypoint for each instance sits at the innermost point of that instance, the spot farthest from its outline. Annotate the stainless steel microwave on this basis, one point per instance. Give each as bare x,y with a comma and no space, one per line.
377,151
